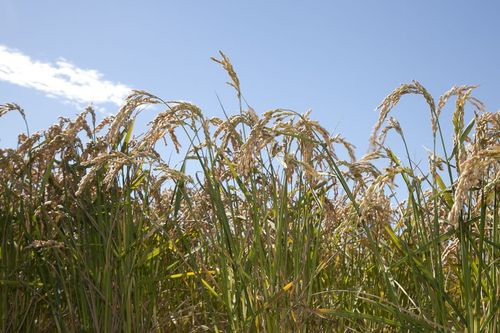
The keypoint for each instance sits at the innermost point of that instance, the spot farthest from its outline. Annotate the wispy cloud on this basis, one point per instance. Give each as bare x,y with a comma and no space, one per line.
59,79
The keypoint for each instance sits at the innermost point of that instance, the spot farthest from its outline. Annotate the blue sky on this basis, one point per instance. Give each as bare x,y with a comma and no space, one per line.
338,58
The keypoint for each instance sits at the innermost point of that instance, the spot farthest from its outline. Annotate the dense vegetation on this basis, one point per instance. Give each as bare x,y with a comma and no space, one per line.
271,232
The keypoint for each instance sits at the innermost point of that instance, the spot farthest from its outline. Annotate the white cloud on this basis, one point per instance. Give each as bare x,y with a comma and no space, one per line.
59,79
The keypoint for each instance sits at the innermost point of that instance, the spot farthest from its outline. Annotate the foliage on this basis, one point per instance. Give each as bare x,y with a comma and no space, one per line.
273,233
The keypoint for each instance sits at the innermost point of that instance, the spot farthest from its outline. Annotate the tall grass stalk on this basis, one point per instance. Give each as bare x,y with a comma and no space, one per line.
272,232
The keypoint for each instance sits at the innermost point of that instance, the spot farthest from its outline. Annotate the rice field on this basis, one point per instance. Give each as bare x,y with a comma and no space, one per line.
273,232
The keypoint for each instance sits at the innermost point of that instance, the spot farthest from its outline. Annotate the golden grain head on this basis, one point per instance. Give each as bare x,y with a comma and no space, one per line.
392,100
472,171
226,64
7,107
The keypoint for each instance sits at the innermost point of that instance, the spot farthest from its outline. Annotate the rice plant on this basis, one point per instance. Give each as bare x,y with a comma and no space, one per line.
271,232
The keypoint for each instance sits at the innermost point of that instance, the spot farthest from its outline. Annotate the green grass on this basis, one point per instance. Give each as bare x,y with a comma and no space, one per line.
274,233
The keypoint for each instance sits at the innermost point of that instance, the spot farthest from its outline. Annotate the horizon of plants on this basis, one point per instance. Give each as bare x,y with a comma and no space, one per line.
274,233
